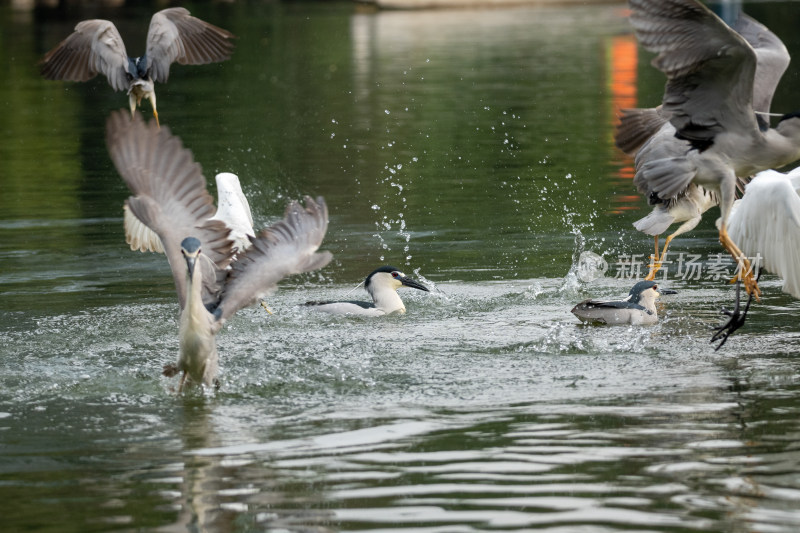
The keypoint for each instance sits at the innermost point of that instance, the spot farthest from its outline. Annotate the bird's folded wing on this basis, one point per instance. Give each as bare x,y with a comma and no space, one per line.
709,67
287,247
766,221
94,47
620,304
175,35
169,196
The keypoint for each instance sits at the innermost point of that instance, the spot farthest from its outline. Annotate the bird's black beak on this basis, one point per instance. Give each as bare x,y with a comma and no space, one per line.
190,262
667,291
408,282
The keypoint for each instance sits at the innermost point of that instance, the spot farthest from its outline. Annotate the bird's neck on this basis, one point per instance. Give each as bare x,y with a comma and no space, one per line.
195,310
649,304
387,300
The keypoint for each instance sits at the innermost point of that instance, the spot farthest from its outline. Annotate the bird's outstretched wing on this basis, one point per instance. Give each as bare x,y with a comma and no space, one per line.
772,59
175,35
710,68
94,47
234,210
169,197
287,247
636,126
766,221
139,236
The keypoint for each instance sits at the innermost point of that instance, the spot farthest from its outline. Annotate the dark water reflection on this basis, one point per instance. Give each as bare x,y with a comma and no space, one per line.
474,149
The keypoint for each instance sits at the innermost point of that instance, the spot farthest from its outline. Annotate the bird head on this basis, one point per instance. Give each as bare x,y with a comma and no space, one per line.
646,291
137,67
389,276
190,248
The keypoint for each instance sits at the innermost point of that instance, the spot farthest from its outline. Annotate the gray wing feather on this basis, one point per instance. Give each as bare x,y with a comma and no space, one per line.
175,35
287,247
636,126
95,47
139,236
701,56
772,59
620,304
169,197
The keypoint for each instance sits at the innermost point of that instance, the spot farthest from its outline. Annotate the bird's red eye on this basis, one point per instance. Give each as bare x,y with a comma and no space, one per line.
655,287
395,274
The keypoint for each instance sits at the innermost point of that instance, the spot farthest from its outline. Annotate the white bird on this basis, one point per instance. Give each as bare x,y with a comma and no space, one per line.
174,35
212,279
382,285
766,224
638,308
709,100
651,128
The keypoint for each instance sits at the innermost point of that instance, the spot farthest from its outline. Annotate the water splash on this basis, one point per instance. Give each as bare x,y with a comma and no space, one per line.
388,223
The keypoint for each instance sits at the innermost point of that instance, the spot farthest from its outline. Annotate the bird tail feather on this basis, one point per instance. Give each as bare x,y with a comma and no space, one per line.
655,223
666,177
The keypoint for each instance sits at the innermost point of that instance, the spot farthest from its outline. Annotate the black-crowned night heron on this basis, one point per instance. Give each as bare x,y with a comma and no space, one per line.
382,285
650,131
212,278
766,224
709,100
639,307
174,35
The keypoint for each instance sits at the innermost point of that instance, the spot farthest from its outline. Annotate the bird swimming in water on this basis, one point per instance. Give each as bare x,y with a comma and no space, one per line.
639,307
382,285
212,278
711,102
174,35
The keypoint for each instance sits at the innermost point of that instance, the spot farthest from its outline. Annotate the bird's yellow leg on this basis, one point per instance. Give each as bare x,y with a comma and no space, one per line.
265,307
745,268
132,102
655,263
666,245
152,97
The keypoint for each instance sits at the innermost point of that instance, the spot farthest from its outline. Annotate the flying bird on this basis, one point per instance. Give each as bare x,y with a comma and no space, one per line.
711,103
212,278
96,47
651,131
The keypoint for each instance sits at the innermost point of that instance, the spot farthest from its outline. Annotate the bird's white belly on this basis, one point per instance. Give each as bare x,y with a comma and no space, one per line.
616,317
347,308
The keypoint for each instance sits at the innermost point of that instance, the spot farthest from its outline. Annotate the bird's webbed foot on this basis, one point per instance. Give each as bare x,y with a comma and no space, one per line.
171,370
736,320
